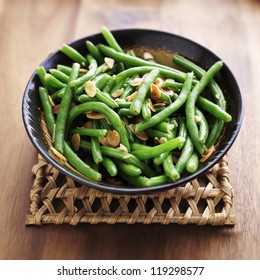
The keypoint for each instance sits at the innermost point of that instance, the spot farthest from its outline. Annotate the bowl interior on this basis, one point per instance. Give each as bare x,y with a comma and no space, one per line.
164,44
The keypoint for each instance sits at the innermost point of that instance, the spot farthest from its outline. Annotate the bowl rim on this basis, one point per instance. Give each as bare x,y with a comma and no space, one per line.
132,190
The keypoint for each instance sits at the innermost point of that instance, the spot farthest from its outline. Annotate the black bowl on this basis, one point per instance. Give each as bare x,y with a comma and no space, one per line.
164,44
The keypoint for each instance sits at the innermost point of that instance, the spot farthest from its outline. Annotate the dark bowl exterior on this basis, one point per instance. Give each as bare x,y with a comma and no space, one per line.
145,39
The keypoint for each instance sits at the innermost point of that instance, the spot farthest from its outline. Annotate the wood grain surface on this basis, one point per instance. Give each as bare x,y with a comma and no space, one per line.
30,30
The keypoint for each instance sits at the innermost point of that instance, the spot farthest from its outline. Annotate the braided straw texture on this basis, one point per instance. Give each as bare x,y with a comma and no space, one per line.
57,199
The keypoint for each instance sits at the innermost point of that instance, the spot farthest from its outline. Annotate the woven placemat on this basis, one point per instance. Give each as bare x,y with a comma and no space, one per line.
57,199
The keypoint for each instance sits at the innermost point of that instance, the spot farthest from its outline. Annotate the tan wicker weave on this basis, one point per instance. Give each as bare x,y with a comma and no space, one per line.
57,199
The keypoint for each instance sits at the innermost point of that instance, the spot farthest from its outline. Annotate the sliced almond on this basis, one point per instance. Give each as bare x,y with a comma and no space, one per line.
148,56
90,88
113,138
88,124
141,135
83,70
131,97
56,109
122,148
102,140
155,92
51,101
95,115
207,153
136,82
150,105
75,139
160,104
109,62
58,155
159,82
117,93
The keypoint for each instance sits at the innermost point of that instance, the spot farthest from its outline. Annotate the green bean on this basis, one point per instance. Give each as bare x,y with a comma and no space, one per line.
53,82
153,132
83,79
129,132
58,94
203,126
109,85
109,37
85,98
101,96
112,42
165,126
47,109
216,91
146,111
136,61
63,113
73,54
137,103
64,78
193,163
96,132
182,130
63,68
158,160
213,109
186,153
95,146
144,182
41,74
191,101
169,168
169,110
79,164
124,156
123,104
128,90
169,83
169,73
110,114
94,51
128,169
158,149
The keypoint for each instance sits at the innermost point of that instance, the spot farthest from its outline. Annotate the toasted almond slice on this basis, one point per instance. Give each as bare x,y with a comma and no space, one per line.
117,93
95,115
207,153
131,97
168,91
160,104
102,140
75,139
113,138
155,92
159,82
57,154
136,82
51,101
56,109
90,88
141,135
83,70
148,56
88,124
122,148
150,105
109,62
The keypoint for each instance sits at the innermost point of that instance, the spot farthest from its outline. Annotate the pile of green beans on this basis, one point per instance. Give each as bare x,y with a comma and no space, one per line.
113,115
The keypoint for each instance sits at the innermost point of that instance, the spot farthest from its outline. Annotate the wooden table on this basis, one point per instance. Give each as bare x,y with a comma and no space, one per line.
30,30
